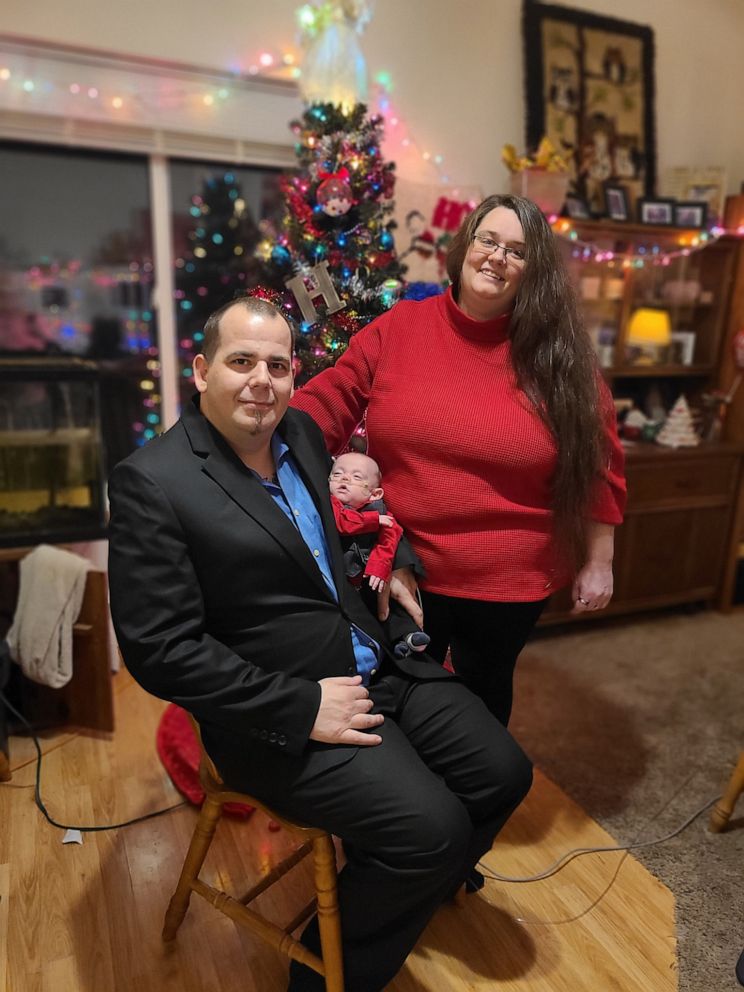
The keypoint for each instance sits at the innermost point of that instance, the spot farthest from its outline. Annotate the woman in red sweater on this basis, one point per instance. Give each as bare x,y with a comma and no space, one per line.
496,436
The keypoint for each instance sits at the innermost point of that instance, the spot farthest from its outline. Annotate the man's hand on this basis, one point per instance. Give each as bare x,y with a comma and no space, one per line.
344,713
402,587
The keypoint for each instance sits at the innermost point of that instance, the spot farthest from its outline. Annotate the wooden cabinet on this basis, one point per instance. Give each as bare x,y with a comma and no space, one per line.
86,701
685,516
677,540
619,269
728,374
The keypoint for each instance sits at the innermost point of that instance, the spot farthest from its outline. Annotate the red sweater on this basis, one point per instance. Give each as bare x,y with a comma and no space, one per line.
466,462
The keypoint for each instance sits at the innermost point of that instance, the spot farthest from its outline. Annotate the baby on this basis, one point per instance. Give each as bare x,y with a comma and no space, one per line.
370,537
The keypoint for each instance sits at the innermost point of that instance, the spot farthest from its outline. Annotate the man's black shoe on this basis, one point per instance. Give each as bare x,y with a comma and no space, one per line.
475,881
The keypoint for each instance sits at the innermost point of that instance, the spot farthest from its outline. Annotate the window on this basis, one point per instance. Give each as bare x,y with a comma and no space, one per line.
76,276
219,215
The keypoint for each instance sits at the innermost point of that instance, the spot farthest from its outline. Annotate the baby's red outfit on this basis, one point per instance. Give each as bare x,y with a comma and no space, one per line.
360,521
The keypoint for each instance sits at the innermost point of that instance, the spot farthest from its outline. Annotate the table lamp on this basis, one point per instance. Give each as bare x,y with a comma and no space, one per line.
649,336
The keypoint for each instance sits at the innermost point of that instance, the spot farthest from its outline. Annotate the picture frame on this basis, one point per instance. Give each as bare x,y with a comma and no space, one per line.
690,213
682,348
657,211
616,202
706,184
590,89
577,208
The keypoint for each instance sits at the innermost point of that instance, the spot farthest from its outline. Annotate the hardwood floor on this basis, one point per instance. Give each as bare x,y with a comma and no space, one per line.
88,918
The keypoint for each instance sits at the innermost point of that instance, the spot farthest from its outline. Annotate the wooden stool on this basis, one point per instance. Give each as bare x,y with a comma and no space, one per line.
725,806
315,842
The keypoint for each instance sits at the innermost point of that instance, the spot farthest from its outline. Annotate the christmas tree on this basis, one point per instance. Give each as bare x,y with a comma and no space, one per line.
337,224
218,262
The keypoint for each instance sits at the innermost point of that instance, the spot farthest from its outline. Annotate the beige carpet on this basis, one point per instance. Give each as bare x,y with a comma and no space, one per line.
640,720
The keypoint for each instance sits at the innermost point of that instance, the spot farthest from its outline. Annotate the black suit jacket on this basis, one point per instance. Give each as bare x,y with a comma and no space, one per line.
217,601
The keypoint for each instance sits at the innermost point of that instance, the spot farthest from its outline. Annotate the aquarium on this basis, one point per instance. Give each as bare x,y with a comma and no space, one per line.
51,477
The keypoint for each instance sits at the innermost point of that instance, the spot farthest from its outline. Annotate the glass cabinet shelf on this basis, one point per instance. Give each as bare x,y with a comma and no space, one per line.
622,270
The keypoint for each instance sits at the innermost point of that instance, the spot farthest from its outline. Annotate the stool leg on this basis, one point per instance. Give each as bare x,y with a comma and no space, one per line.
206,825
5,773
725,806
329,918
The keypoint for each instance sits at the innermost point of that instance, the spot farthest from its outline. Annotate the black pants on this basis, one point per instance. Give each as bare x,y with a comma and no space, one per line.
415,813
484,639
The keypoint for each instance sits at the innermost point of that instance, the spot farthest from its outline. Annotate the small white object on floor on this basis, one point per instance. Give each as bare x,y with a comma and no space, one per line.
72,837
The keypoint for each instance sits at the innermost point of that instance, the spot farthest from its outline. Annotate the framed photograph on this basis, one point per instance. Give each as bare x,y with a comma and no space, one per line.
707,185
690,213
590,89
616,202
682,350
652,211
577,208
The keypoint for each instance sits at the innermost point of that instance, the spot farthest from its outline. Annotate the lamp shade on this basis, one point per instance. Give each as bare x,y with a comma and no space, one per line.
649,326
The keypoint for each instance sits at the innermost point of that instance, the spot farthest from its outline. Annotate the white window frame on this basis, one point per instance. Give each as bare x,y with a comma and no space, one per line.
258,109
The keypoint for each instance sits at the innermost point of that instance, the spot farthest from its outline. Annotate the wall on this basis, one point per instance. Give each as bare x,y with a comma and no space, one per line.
457,68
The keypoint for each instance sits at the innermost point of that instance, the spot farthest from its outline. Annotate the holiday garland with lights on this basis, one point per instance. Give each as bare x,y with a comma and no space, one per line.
338,208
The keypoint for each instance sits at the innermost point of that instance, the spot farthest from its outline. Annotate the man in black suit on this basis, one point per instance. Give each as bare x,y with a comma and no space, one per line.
229,598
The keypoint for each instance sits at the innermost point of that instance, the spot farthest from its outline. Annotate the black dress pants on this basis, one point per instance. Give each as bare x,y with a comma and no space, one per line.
415,813
484,639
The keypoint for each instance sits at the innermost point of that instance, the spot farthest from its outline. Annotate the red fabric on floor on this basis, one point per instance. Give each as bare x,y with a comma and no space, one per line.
179,751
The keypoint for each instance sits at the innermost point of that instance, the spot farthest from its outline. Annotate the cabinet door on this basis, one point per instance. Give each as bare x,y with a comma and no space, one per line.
672,556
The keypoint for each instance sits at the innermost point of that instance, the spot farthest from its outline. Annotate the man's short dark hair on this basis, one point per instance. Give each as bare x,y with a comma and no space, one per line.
253,304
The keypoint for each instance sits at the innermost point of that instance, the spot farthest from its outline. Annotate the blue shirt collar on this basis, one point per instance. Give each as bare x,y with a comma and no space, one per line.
279,448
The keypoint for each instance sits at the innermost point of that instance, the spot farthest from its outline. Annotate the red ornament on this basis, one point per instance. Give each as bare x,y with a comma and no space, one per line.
334,193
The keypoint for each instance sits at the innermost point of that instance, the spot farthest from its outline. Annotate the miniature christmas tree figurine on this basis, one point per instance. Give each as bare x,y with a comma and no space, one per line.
678,430
333,258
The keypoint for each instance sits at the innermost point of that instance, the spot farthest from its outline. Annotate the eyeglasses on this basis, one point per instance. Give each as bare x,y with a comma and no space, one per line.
354,478
488,246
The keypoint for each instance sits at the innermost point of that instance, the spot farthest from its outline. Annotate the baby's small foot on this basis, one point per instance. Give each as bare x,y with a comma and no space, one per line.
416,641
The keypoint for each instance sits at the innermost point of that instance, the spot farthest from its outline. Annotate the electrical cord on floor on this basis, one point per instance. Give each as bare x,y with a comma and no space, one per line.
37,787
577,852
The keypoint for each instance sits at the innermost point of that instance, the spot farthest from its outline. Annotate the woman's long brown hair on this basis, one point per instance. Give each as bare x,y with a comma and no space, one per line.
555,365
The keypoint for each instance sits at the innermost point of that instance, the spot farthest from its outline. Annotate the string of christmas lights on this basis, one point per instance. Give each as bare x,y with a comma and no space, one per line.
127,97
397,130
269,63
654,250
